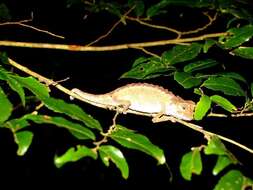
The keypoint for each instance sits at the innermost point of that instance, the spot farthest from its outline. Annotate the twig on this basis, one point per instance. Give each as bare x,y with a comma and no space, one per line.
111,47
65,90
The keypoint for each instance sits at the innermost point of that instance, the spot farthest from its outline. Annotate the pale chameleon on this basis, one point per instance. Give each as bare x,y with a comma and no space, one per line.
142,99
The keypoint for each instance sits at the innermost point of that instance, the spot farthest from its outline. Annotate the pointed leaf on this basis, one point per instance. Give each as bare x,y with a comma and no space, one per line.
75,129
239,36
208,44
244,52
32,84
186,79
200,65
233,180
23,140
108,152
72,111
14,84
16,124
202,107
222,162
73,155
139,7
191,163
223,102
181,53
5,106
130,139
146,68
233,75
224,84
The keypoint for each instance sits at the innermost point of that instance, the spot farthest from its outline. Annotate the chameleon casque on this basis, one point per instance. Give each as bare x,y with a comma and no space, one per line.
142,99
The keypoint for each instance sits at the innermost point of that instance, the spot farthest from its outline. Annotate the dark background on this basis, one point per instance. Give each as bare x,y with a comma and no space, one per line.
98,73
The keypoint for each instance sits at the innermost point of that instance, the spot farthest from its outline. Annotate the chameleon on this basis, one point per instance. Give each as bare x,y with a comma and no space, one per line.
142,99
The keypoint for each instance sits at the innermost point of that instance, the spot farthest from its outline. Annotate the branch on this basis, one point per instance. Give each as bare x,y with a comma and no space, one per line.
111,47
66,91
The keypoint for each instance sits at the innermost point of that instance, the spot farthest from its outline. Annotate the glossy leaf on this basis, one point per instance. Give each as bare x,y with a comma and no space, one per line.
223,102
186,79
16,124
200,65
202,107
208,44
32,84
191,163
23,140
233,180
222,162
146,68
73,155
14,84
239,36
233,75
108,152
181,53
72,111
5,106
244,52
75,129
227,85
132,140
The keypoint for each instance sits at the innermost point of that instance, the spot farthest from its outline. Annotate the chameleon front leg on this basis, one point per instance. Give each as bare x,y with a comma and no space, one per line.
161,118
122,105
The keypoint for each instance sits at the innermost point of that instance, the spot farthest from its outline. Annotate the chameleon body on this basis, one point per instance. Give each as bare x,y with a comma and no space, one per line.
142,98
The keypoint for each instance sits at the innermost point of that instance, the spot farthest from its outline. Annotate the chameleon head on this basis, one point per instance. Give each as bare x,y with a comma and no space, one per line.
183,110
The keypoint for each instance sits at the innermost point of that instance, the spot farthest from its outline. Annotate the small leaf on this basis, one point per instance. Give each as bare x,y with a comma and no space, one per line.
147,68
233,180
244,52
223,102
251,89
233,75
202,107
75,129
32,84
200,65
157,9
208,44
5,106
72,111
239,36
130,139
181,53
14,84
186,79
222,162
4,13
138,5
227,85
108,152
23,140
16,124
191,163
73,155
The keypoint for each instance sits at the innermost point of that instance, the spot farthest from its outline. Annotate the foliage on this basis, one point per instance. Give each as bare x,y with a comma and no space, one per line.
189,65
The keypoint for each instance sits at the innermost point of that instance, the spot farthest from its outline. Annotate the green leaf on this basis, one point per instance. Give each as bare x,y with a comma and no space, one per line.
157,8
4,13
222,162
251,89
186,79
130,139
5,106
138,5
208,44
191,163
239,36
75,129
224,84
181,53
73,155
233,75
202,107
108,152
244,52
223,102
32,84
23,140
233,180
147,68
14,84
200,65
16,124
73,111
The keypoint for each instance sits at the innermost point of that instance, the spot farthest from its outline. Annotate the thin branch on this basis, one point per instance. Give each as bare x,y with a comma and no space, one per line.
22,23
66,91
111,47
